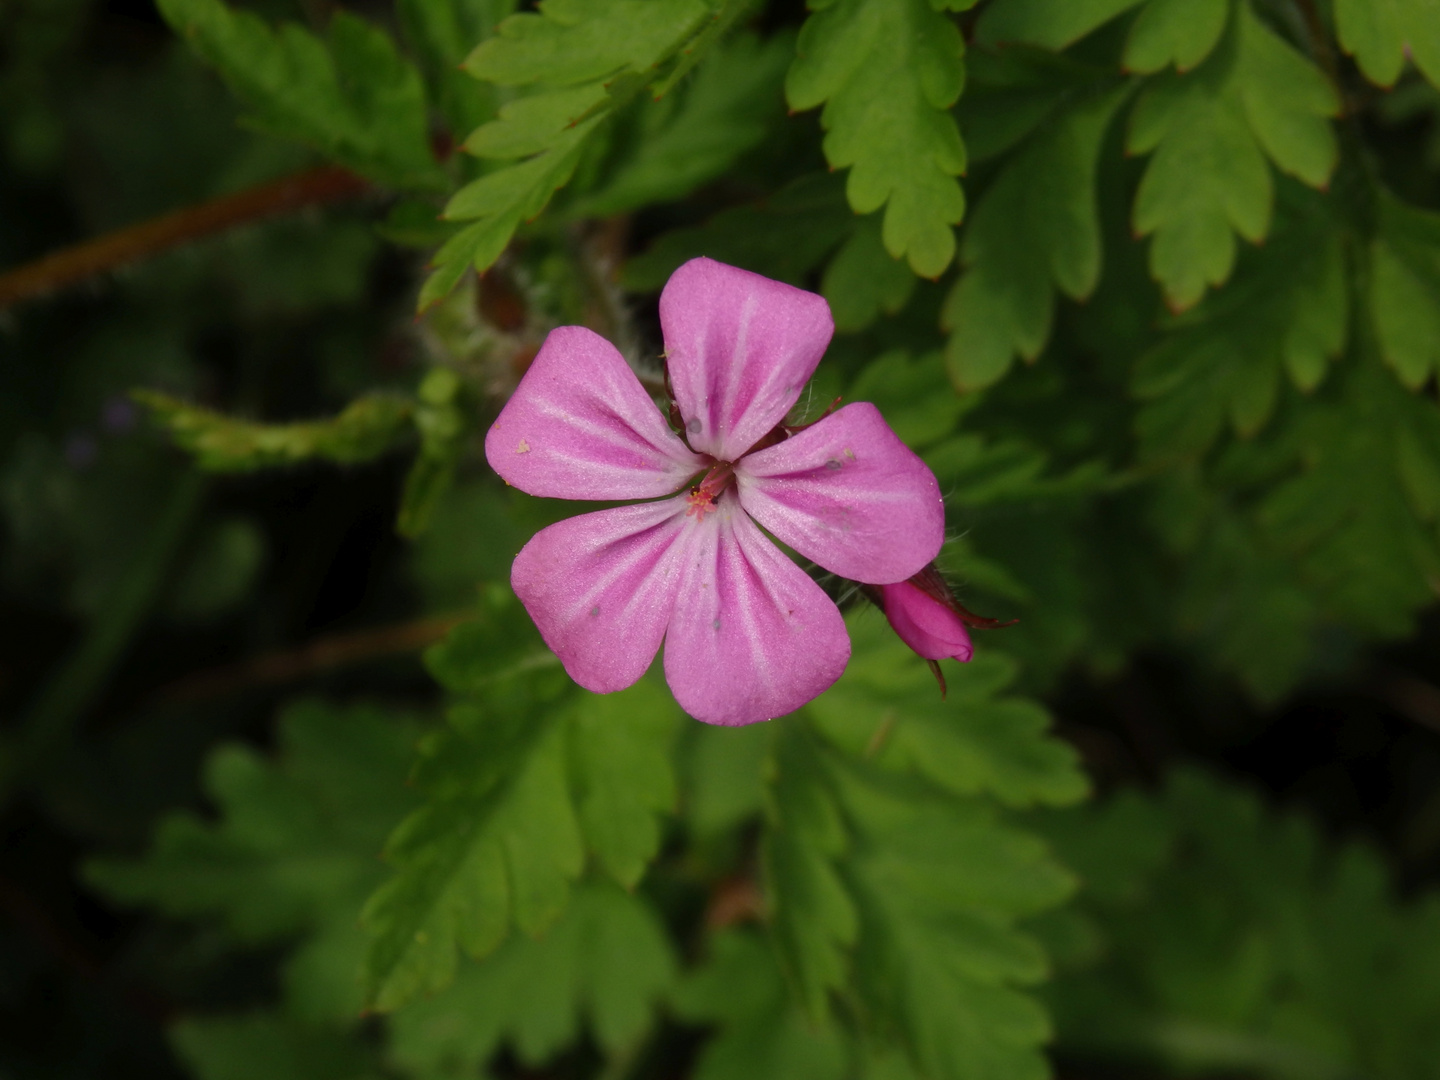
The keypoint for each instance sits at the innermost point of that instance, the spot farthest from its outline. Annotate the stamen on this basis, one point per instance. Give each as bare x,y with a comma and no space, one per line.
704,496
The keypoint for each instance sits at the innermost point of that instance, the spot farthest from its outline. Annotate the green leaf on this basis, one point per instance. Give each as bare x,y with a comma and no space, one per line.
501,643
294,849
1383,34
529,776
1179,32
762,1034
887,708
495,842
862,280
356,100
812,914
1051,24
1286,311
245,1047
1035,229
623,779
608,958
1404,291
577,41
1211,132
368,427
784,236
443,33
887,72
684,141
1358,516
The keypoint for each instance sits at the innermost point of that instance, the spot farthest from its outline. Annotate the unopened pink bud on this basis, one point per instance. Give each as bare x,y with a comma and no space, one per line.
928,626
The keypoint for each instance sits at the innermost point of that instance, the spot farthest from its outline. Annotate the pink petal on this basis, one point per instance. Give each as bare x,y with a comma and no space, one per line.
740,348
601,588
580,426
925,624
848,494
752,637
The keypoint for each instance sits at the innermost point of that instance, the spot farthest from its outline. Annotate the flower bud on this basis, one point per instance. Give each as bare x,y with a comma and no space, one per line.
926,624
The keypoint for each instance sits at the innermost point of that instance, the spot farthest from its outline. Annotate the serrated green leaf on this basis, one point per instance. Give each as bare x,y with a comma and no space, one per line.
532,124
500,643
887,72
1404,291
496,842
1051,24
608,959
1383,34
1036,229
623,779
1179,32
783,237
812,913
886,707
575,41
1211,132
1223,364
365,429
862,280
727,107
763,1035
356,101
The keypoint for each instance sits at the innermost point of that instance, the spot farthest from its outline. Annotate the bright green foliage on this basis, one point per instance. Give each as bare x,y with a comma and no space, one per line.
1035,229
525,781
762,1034
1405,290
887,72
607,958
1211,133
887,875
1179,32
584,58
294,851
353,98
1285,313
1359,514
1383,34
1228,940
245,1047
367,428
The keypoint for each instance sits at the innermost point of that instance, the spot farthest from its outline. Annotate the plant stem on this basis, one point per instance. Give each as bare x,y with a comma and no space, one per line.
71,265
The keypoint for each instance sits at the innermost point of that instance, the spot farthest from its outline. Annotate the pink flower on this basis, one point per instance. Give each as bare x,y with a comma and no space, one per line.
927,625
748,635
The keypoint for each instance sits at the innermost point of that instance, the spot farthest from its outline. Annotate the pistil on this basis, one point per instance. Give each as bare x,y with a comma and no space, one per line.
704,495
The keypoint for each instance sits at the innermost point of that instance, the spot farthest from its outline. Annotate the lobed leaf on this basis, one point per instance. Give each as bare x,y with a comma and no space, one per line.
1035,229
1211,132
887,72
1383,34
1404,290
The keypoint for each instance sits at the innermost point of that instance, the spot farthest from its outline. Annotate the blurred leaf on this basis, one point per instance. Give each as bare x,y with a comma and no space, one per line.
294,850
862,280
1404,290
1383,34
354,99
443,33
784,236
367,428
443,425
918,402
1254,97
1285,312
246,1047
762,1034
221,572
1052,24
887,72
607,958
1035,229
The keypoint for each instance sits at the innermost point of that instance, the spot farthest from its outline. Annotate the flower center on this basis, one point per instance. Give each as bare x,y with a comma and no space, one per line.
704,495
